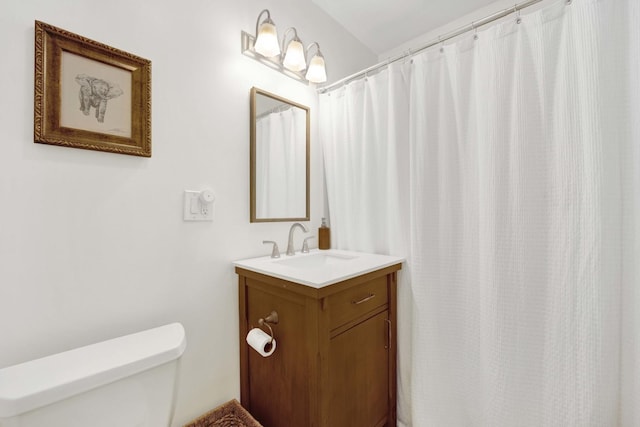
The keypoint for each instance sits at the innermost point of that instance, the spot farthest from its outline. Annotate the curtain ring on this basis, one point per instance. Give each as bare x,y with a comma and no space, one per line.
475,30
517,12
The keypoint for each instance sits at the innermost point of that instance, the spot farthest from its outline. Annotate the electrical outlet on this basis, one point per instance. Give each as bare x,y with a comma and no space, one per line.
198,205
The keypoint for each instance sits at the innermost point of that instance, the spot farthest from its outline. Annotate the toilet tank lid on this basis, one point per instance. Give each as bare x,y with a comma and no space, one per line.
40,382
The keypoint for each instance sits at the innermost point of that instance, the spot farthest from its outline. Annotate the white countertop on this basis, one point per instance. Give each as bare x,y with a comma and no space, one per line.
319,268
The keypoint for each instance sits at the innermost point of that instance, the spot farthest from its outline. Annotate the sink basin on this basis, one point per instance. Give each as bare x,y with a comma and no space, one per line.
317,260
318,268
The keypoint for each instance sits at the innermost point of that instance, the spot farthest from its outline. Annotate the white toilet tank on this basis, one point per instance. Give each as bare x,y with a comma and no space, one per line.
128,381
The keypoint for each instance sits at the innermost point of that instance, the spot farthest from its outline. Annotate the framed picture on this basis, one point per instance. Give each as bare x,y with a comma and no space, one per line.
90,95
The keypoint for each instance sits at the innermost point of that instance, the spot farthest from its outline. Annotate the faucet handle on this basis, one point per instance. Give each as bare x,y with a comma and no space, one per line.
275,253
305,246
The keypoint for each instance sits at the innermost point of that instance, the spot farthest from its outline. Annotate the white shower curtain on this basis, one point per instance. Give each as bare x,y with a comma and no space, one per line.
364,131
523,194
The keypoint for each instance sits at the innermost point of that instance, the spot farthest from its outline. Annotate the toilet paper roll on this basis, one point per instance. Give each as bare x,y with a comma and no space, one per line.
261,342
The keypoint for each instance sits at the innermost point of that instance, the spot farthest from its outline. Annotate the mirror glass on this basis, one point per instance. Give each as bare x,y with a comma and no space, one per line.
279,158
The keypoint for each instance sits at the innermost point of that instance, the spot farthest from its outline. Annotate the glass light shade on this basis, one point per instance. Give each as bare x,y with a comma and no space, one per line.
316,72
294,58
267,40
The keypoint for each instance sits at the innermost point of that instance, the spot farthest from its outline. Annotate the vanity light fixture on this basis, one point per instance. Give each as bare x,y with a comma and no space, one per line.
266,43
289,57
317,72
294,59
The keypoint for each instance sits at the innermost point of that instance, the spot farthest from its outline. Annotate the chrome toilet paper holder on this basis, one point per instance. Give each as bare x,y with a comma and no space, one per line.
272,318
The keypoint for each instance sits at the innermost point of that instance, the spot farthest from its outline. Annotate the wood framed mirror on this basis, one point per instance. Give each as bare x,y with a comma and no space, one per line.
280,148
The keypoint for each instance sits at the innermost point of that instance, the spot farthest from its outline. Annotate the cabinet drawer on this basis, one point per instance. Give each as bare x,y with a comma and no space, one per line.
351,303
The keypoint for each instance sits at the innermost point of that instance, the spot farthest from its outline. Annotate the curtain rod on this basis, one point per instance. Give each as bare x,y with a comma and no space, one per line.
442,38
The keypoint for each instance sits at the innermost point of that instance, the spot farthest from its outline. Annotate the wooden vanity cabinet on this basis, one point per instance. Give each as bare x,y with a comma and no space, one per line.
335,358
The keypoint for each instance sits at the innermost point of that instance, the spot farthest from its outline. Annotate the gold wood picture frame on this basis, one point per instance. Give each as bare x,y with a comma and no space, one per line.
89,95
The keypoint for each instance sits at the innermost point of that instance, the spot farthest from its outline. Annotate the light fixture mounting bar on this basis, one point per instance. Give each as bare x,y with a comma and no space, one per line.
247,43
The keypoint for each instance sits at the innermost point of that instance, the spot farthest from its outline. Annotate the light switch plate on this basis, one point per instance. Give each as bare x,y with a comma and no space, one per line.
195,209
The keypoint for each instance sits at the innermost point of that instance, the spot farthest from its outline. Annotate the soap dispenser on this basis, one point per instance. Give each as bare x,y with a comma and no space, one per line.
324,235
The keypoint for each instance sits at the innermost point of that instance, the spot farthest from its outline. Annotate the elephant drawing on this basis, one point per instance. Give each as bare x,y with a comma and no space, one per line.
95,93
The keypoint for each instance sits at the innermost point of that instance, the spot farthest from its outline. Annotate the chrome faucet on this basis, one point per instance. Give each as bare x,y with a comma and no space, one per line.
290,250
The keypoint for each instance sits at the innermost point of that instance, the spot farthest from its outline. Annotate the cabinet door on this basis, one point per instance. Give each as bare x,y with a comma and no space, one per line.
359,374
278,392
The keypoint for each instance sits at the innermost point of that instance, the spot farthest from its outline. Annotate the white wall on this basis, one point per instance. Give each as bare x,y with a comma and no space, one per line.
92,244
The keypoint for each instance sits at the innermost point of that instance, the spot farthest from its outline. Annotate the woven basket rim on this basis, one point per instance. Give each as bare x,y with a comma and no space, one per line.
231,409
